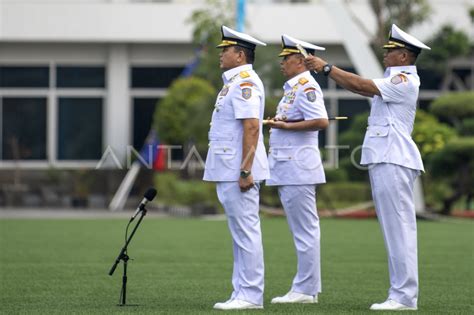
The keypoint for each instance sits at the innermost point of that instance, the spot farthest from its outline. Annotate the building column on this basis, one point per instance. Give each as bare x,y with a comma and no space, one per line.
117,110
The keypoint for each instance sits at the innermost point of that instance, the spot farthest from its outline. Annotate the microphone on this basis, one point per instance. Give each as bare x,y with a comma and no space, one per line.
148,196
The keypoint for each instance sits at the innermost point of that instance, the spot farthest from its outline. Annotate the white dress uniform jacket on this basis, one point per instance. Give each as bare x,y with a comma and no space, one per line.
241,97
294,156
388,137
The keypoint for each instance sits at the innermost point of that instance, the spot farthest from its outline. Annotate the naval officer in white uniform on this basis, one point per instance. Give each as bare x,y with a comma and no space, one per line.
296,167
393,158
237,162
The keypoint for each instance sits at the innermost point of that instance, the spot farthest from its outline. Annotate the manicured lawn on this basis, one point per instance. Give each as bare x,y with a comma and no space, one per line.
183,266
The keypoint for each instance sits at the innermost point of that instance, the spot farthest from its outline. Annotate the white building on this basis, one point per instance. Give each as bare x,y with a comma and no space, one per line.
77,76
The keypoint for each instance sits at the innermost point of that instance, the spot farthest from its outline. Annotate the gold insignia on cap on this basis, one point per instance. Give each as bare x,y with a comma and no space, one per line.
226,43
303,81
289,51
392,44
244,74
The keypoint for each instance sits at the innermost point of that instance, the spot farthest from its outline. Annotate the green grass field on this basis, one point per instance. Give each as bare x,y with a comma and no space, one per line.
183,266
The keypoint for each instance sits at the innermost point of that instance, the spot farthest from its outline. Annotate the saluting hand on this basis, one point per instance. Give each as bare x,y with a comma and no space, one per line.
314,63
246,184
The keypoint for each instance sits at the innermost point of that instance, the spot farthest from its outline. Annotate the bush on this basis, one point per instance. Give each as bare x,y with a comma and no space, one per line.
342,194
458,154
454,106
188,192
467,127
454,166
269,196
430,135
336,175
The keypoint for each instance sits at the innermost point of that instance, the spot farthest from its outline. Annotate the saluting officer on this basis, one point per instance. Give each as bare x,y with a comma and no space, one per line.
296,167
237,162
393,158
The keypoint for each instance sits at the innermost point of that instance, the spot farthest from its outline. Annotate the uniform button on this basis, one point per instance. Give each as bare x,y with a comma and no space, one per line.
378,133
225,149
217,109
210,124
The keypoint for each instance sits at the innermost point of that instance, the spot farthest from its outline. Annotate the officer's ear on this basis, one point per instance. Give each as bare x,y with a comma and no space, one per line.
406,56
241,55
301,60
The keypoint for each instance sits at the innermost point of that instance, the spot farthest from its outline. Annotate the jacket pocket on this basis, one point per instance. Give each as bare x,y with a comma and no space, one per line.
283,154
378,131
222,149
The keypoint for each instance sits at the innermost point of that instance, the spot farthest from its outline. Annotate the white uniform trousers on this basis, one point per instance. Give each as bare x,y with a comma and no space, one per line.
392,192
299,202
242,210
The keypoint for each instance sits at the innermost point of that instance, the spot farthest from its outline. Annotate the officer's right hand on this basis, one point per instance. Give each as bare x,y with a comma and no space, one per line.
314,63
280,124
246,184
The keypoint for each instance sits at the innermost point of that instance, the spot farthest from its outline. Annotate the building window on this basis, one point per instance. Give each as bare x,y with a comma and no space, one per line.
23,128
154,77
321,79
348,69
24,77
143,112
350,108
80,77
79,128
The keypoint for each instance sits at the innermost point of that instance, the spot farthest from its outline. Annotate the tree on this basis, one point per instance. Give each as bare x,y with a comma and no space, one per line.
183,116
446,44
454,164
404,13
454,107
207,33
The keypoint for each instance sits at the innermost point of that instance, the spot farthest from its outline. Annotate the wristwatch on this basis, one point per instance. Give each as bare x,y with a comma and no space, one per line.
326,69
244,173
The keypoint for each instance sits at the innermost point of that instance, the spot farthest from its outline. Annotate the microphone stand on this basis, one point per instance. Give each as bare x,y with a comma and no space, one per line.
124,257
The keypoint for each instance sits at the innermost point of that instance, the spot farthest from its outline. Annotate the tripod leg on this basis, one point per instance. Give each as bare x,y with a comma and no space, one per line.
123,291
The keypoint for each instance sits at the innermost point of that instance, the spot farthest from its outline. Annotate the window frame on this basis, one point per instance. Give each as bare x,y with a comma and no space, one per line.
52,95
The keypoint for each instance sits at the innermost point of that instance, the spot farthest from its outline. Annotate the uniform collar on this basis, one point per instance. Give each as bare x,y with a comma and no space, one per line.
293,81
393,70
226,76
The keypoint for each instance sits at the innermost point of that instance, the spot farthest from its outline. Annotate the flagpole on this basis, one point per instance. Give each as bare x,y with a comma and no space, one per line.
240,15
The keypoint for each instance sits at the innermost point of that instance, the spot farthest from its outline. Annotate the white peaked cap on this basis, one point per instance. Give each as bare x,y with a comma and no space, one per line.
231,37
400,39
289,46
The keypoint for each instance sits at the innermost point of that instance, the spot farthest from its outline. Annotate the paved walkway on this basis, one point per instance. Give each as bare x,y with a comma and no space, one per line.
75,213
64,213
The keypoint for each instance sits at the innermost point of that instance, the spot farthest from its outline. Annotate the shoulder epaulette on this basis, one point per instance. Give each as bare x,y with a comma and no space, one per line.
303,81
244,74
